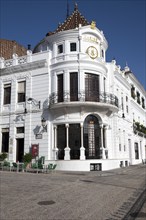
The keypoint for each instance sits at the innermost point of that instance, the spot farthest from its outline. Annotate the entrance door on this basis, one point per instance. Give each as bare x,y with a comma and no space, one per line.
61,140
92,138
74,141
19,149
5,140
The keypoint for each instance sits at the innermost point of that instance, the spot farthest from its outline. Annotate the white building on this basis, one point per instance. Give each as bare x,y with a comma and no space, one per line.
83,112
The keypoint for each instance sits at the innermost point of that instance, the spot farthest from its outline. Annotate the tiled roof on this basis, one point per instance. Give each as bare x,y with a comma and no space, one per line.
71,22
9,47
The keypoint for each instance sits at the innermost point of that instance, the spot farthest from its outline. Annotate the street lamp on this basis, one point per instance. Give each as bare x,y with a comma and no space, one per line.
34,102
44,125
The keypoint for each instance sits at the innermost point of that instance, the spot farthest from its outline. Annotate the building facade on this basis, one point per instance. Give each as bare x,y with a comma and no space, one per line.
71,105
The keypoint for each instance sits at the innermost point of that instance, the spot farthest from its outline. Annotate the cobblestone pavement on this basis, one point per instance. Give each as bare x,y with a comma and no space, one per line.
72,195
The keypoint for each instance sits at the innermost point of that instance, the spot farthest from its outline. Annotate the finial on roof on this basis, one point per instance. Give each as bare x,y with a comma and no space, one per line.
67,14
126,64
93,24
127,69
76,7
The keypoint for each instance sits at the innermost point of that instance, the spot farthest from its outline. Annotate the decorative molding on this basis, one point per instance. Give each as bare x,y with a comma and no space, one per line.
19,118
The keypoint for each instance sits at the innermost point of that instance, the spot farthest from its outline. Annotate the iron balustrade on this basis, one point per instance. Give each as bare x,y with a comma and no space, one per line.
84,96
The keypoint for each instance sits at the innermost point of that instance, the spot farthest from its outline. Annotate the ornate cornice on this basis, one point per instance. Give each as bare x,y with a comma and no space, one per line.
23,67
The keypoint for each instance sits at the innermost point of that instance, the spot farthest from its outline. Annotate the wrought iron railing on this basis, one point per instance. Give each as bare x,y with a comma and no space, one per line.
83,96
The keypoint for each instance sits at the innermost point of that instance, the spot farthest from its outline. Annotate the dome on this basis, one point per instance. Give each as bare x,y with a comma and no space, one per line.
9,47
41,46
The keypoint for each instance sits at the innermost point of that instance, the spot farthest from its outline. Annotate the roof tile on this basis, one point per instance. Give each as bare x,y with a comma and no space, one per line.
9,47
71,22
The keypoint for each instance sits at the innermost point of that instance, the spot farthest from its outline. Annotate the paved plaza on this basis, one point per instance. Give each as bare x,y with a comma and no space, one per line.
62,195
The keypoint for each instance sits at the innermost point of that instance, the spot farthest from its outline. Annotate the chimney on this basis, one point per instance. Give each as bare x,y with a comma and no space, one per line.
29,46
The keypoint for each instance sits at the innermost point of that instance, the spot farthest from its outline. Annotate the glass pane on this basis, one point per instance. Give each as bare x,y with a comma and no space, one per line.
21,87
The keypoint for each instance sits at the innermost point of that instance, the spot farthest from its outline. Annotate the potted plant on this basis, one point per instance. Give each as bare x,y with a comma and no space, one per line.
27,159
3,156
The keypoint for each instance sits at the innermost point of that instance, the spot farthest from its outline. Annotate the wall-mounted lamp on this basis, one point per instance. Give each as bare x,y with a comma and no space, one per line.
44,125
34,102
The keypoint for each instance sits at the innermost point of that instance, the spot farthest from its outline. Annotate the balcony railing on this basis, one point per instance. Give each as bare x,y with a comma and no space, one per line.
83,96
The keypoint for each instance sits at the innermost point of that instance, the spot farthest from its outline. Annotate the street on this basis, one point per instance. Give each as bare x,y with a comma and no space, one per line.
95,195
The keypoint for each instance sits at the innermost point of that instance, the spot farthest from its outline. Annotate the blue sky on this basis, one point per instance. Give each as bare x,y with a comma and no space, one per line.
122,21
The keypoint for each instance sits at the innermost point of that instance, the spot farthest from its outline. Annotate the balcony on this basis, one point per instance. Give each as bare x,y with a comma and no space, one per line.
102,99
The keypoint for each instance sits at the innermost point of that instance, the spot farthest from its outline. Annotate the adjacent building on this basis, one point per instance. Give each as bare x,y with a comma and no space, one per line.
65,102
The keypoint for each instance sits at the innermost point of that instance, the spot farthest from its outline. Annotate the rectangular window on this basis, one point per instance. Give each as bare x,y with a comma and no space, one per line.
21,91
143,103
5,140
60,48
122,103
73,86
7,94
120,147
91,87
136,151
60,88
138,97
102,53
20,130
126,98
133,92
73,47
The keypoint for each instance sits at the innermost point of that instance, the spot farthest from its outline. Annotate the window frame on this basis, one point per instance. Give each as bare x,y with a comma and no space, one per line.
7,94
21,96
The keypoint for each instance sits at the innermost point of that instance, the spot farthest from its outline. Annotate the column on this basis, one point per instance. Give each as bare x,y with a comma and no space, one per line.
66,49
105,142
81,85
66,86
55,149
29,56
15,59
67,149
102,149
82,149
2,63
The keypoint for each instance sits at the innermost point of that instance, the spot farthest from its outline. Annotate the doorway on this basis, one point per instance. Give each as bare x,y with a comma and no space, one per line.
19,149
92,138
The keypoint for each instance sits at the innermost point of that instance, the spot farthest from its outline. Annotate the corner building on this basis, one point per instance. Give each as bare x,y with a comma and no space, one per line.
81,112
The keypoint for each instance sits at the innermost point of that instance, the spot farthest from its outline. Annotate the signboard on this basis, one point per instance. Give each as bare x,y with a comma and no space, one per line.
38,136
35,150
